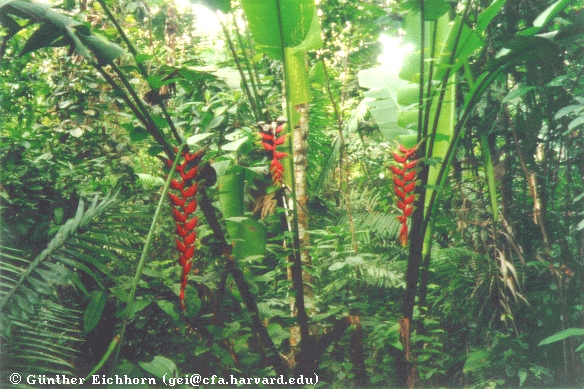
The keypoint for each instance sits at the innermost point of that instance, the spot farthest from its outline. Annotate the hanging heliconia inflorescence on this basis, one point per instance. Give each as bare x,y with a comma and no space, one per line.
404,179
184,205
271,140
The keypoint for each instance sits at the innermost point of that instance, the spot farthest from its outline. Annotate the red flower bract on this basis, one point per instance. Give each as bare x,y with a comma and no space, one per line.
270,141
404,178
184,203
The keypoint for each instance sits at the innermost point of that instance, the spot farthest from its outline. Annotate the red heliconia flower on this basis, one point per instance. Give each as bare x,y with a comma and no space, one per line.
184,204
404,179
270,141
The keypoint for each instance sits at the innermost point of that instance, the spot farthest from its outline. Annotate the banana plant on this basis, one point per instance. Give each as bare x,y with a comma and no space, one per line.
285,30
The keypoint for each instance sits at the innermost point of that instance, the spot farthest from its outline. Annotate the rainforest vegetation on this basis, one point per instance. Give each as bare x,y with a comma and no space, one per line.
363,194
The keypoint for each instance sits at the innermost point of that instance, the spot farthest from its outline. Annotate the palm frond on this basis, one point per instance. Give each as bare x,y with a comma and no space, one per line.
24,279
38,333
43,343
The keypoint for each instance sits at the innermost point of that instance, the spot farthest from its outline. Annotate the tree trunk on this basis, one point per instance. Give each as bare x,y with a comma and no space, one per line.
297,306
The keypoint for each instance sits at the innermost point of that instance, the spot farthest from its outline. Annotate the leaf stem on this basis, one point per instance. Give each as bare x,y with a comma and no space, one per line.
142,69
250,96
145,250
297,264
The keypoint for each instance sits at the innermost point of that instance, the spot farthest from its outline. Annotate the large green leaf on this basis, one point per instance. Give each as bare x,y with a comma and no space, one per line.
105,52
382,99
444,132
94,310
220,5
247,235
160,366
59,29
433,9
546,16
562,335
490,173
299,90
42,37
487,15
262,15
252,239
231,200
468,43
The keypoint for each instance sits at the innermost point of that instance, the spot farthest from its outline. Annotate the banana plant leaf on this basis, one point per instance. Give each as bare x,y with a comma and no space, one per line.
247,235
56,30
297,17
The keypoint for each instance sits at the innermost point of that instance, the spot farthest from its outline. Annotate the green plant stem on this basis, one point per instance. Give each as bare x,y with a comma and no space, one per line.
422,75
114,343
145,250
441,179
296,269
141,67
249,69
429,95
256,72
444,82
250,96
150,127
141,105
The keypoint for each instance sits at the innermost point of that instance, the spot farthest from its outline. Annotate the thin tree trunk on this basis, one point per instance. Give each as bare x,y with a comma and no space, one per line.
299,144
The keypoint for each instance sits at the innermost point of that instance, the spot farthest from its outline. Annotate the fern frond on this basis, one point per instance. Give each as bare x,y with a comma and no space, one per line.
383,274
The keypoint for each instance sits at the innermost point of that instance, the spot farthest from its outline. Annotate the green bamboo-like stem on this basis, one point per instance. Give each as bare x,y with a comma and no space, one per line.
429,95
145,250
422,75
252,79
442,174
111,348
256,72
296,269
250,96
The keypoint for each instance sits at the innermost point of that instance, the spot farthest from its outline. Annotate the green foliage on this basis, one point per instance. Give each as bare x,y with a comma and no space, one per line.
38,333
497,286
